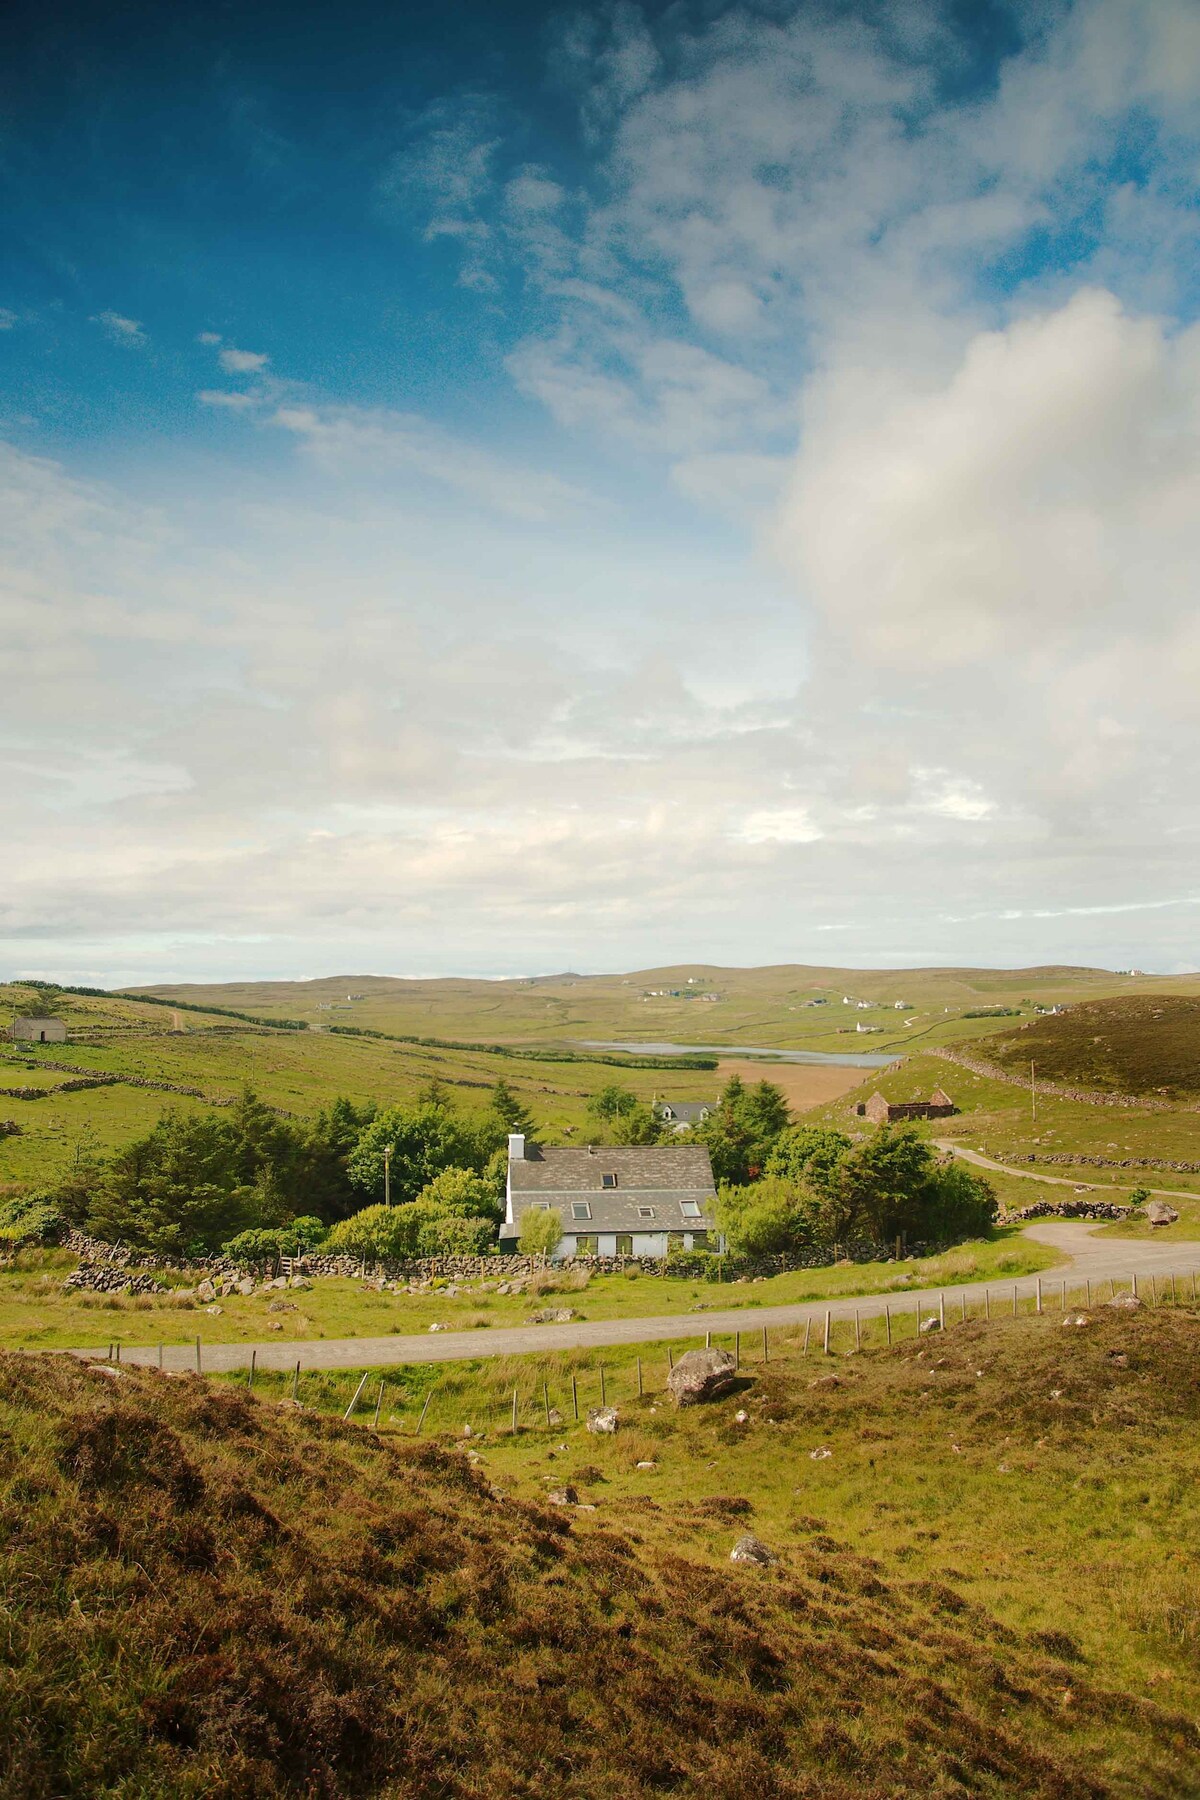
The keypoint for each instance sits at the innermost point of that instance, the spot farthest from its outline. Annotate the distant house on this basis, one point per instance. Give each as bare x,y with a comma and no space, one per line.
886,1112
681,1114
39,1031
613,1200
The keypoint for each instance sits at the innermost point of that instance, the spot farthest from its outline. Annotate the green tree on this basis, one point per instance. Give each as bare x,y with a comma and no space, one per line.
175,1190
376,1234
508,1108
424,1140
637,1125
768,1217
611,1101
808,1154
742,1128
463,1193
540,1233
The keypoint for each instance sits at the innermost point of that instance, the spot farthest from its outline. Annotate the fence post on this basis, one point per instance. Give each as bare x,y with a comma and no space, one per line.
1154,1290
424,1410
942,1311
1014,1299
546,1403
670,1357
574,1397
987,1303
918,1315
827,1334
378,1407
639,1370
737,1350
766,1351
603,1394
807,1329
887,1320
358,1390
1063,1307
296,1381
708,1340
1174,1297
1089,1290
199,1371
118,1356
514,1412
160,1356
1039,1293
964,1306
250,1375
857,1330
1134,1285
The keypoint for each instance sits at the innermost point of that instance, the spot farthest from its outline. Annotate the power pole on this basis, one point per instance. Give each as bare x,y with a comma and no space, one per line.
1033,1092
387,1174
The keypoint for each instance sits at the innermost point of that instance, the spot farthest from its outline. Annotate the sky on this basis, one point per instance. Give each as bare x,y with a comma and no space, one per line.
496,489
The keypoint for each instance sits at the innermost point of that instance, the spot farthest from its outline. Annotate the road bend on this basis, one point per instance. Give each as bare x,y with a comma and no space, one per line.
1146,1263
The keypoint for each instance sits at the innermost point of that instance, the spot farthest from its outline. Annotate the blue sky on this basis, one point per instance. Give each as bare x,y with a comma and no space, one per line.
595,487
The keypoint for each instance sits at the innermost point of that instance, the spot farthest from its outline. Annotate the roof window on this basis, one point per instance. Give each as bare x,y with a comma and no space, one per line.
580,1209
645,1212
690,1209
608,1181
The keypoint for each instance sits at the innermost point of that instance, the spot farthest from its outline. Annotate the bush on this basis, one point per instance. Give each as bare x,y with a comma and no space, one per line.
375,1234
540,1234
463,1194
30,1219
455,1236
264,1244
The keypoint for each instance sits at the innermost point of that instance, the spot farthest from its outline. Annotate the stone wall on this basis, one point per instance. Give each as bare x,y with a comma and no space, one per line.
1065,1159
1070,1209
1053,1089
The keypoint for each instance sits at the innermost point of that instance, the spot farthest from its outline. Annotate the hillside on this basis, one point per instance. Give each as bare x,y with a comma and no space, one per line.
284,1605
696,1003
1139,1045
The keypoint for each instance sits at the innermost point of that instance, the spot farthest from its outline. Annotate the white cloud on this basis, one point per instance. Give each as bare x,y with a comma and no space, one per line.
232,401
208,337
242,362
122,330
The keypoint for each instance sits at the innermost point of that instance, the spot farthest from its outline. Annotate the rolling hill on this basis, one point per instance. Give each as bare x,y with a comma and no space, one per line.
1144,1044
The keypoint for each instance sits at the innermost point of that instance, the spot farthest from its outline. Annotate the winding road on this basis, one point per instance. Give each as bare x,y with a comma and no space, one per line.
1094,1260
1072,1181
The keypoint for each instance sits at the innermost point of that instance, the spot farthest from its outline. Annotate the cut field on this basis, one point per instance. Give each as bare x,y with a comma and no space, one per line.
985,1582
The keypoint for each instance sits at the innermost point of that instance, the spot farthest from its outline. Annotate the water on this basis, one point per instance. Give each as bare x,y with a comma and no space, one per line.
838,1059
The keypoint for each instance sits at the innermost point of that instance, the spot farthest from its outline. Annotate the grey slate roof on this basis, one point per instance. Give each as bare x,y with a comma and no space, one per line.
647,1175
686,1112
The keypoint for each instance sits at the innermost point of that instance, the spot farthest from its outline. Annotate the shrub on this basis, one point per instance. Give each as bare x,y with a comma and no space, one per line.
375,1234
461,1193
264,1243
30,1219
455,1236
540,1234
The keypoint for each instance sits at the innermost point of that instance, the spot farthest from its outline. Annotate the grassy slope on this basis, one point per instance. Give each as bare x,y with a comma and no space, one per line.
36,1313
767,1006
208,1594
1148,1045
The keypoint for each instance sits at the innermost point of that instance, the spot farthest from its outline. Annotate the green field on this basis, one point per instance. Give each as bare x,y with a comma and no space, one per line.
986,1582
766,1006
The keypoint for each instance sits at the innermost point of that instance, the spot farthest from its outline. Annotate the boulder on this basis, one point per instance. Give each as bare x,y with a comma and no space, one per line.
602,1419
564,1496
299,1281
1159,1213
933,1324
702,1375
246,1285
553,1315
1124,1302
750,1549
205,1291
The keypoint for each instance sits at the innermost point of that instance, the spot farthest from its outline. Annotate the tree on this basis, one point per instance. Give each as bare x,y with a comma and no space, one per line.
767,1218
611,1101
375,1234
423,1140
461,1193
808,1153
508,1108
637,1125
742,1128
892,1182
540,1233
175,1190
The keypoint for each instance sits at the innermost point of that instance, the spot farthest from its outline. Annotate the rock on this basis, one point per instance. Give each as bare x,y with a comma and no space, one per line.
820,1454
556,1417
299,1281
602,1419
826,1381
436,1327
205,1291
647,1465
750,1549
934,1324
1159,1213
702,1375
553,1315
246,1285
280,1281
563,1496
1125,1302
214,1312
741,1418
1077,1319
274,1325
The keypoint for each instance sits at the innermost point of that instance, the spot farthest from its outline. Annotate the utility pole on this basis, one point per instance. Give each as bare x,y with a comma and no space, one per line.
1033,1092
387,1173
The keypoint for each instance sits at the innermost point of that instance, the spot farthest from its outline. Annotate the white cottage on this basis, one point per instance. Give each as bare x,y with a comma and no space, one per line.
614,1200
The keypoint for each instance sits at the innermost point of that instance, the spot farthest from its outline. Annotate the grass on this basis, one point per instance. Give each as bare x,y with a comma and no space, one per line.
1144,1044
36,1313
210,1592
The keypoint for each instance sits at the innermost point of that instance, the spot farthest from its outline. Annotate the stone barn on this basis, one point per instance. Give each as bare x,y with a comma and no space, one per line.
888,1112
39,1031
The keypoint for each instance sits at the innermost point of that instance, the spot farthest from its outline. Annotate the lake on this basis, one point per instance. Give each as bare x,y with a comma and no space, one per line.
838,1059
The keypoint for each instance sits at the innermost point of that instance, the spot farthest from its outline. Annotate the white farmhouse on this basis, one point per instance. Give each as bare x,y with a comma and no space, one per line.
614,1200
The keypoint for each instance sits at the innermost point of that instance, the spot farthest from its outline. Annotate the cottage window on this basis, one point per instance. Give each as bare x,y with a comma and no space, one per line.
699,1240
587,1246
580,1209
645,1212
690,1209
624,1243
608,1181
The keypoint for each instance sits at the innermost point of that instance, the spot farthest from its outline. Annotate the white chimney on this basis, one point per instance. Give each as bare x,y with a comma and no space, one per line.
516,1146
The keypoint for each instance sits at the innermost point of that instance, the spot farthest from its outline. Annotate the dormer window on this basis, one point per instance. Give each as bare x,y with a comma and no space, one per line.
690,1209
580,1209
645,1212
608,1181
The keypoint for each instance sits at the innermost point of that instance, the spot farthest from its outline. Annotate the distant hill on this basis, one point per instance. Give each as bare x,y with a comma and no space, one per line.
1146,1044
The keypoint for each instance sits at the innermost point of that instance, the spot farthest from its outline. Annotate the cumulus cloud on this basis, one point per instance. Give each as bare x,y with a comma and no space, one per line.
242,362
122,330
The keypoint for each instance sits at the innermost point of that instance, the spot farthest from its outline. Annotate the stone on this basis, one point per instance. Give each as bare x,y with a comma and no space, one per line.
205,1291
1125,1302
214,1312
563,1496
820,1454
554,1315
556,1417
1159,1213
299,1281
436,1327
246,1285
934,1324
750,1549
741,1418
1077,1319
826,1381
274,1325
647,1465
280,1281
602,1420
702,1375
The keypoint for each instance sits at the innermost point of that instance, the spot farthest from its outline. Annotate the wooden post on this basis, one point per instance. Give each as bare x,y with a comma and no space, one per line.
942,1311
827,1334
1193,1284
546,1403
250,1373
160,1356
378,1407
708,1340
358,1390
1039,1293
1063,1306
857,1330
887,1320
603,1395
964,1305
639,1370
670,1358
108,1354
575,1397
1014,1299
1089,1290
424,1410
737,1349
199,1371
766,1351
118,1357
918,1315
987,1303
807,1330
1134,1285
1153,1290
514,1421
1174,1298
296,1381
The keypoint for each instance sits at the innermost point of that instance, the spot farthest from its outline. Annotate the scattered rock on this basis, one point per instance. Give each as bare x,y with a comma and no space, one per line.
1158,1212
563,1496
1125,1302
553,1315
1076,1319
750,1549
274,1325
246,1285
819,1454
205,1291
647,1465
742,1417
556,1417
214,1312
702,1375
602,1419
933,1324
436,1327
299,1281
826,1381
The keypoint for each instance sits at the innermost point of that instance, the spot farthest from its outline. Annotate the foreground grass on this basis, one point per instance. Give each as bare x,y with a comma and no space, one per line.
986,1587
36,1313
